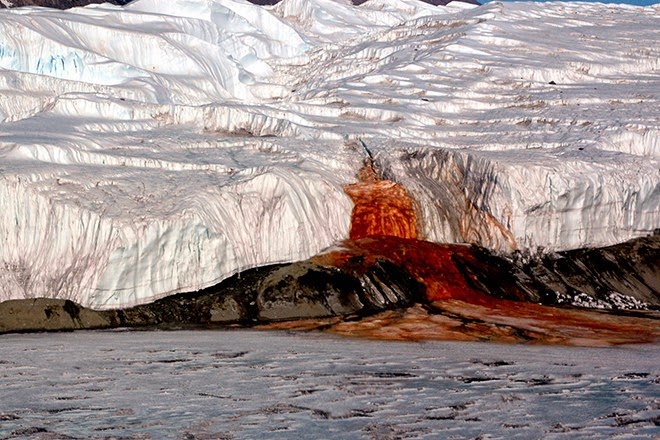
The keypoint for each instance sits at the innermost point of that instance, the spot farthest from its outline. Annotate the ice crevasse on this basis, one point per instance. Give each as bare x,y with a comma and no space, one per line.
151,149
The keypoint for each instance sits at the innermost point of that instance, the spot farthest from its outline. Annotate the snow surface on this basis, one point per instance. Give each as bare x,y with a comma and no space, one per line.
252,385
161,147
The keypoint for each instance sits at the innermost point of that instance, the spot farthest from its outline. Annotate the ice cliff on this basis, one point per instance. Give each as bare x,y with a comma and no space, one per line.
161,147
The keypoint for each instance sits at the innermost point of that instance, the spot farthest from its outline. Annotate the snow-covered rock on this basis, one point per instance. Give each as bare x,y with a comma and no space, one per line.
160,147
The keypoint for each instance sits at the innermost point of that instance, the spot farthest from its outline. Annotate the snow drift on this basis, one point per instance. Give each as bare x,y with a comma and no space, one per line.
156,148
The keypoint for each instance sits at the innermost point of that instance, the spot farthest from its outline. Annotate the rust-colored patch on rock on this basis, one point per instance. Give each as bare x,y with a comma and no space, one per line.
382,207
471,295
461,307
432,264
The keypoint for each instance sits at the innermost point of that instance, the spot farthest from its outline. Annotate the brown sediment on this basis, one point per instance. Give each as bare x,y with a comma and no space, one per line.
515,323
561,326
461,305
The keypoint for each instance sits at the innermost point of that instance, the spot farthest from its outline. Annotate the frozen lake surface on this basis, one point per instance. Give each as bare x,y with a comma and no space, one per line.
275,385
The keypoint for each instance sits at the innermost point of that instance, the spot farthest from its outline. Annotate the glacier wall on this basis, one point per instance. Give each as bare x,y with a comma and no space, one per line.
158,148
155,229
483,199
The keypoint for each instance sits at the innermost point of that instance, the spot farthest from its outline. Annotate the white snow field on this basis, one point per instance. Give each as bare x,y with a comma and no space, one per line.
269,385
161,147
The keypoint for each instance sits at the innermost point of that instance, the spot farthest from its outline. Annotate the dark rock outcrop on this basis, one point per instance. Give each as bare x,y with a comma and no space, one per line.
283,292
623,276
265,294
364,277
47,314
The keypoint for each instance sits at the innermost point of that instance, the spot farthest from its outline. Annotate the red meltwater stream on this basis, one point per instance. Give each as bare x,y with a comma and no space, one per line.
385,227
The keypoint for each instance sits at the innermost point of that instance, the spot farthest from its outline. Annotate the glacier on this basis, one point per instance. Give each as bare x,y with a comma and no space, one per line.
153,148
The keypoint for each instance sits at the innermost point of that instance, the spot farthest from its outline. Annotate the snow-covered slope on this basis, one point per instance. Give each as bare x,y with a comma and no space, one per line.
163,146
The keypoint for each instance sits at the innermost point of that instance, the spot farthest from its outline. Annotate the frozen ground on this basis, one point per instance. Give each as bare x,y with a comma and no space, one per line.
162,147
269,385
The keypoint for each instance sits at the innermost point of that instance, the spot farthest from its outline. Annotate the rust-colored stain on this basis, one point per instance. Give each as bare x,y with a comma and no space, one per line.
459,307
461,321
381,207
458,310
521,323
432,264
479,227
384,225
